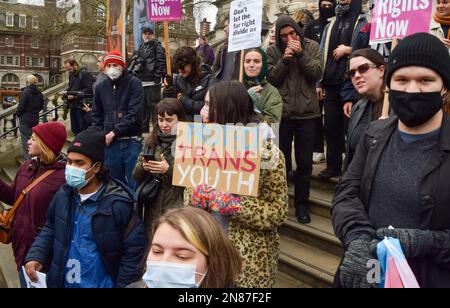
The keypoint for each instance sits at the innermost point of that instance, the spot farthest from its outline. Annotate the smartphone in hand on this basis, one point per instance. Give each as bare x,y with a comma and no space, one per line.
149,157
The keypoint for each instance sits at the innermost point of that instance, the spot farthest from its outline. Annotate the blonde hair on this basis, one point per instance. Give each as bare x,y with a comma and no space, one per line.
299,14
47,156
31,79
200,229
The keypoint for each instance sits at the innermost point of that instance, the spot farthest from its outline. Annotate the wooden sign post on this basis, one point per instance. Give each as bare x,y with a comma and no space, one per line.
165,11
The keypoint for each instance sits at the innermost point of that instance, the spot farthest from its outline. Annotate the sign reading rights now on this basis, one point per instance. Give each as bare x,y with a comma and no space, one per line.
164,10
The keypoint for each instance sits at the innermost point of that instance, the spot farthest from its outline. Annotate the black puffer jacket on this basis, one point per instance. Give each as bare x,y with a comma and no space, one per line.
193,98
152,60
351,203
31,102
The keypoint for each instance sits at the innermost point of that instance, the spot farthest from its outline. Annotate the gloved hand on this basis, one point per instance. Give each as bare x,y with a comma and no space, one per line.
415,243
224,203
201,196
354,268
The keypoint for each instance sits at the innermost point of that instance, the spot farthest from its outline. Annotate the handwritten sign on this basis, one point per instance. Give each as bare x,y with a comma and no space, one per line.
227,158
399,18
245,24
164,10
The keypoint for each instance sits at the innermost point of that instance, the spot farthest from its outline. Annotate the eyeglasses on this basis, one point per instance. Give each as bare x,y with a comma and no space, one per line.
360,69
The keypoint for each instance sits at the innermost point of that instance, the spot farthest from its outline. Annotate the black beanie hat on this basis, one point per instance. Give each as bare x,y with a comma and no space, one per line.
420,49
90,142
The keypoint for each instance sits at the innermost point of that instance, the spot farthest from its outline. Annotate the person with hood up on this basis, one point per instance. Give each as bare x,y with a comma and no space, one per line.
336,43
294,69
314,32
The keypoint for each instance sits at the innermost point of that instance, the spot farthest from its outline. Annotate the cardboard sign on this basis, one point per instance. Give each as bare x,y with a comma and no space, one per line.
164,10
245,24
399,18
227,158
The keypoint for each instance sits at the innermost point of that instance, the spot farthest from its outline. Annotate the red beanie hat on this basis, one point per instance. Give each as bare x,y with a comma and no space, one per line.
53,134
114,57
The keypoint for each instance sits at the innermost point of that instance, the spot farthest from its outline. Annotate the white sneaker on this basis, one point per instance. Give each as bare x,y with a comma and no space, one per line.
318,158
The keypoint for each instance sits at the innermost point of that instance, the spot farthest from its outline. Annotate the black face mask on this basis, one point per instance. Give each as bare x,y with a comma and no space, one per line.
415,109
326,13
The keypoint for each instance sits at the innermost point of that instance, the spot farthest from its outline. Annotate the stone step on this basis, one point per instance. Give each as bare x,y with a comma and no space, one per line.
319,233
319,200
285,281
321,184
8,268
307,264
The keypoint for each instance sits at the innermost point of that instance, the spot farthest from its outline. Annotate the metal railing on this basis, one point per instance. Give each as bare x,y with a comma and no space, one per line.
10,113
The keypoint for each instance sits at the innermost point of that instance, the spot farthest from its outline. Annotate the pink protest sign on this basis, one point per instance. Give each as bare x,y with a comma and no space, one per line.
164,10
400,18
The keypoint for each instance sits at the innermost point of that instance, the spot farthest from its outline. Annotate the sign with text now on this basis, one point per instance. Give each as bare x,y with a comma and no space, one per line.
164,10
399,18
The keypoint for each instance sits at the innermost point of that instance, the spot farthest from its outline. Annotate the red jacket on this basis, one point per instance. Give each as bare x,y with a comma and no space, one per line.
30,215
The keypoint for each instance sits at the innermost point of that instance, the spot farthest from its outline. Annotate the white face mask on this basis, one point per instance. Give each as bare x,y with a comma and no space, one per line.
171,275
114,72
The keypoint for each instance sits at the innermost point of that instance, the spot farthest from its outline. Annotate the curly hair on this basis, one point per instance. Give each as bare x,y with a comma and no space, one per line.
188,55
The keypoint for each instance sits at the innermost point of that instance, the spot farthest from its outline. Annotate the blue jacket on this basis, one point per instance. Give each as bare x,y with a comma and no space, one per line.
122,254
119,106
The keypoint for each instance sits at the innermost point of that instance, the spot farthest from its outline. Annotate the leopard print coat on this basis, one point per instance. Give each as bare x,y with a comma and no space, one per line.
254,229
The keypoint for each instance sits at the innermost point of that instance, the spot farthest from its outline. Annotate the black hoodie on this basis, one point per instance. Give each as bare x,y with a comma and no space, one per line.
341,33
282,22
315,29
31,102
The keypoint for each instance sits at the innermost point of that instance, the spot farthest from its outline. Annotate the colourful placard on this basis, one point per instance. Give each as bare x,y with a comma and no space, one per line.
164,10
399,18
226,157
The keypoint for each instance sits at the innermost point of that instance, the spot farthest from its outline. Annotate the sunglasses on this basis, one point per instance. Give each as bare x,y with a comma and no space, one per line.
360,69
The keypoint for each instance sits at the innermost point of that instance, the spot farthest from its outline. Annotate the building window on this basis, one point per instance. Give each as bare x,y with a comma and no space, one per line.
10,81
10,60
101,13
9,42
34,43
22,21
34,61
9,19
35,23
54,63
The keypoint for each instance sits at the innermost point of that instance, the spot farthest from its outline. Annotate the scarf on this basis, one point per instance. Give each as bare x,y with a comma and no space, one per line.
443,21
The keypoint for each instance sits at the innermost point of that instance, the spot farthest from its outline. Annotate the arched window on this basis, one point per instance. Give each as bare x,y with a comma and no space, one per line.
40,80
10,82
55,79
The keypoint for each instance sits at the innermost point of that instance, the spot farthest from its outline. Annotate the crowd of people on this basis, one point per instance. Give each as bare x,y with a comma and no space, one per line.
107,214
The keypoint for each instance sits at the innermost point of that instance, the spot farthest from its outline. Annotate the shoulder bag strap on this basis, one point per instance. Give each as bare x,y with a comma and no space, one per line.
24,192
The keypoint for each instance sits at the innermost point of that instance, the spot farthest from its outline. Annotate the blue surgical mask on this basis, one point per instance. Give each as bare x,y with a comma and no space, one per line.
171,275
76,177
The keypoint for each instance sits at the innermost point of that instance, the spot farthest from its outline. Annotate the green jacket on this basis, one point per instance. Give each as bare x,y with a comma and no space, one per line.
269,102
296,80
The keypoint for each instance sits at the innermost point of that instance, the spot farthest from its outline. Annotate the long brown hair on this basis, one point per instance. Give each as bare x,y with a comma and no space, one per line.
229,102
168,106
188,55
199,228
